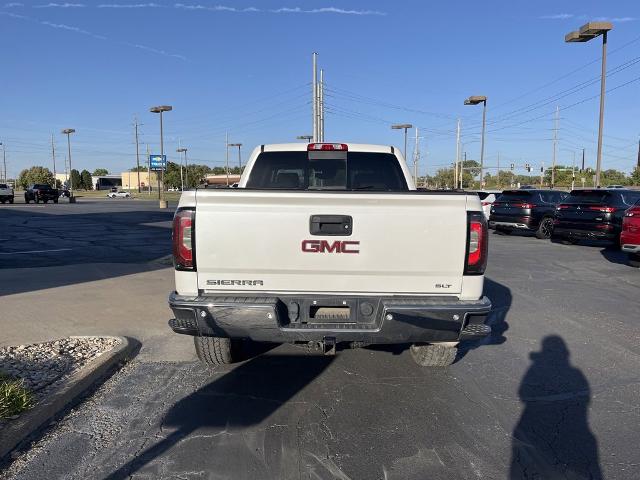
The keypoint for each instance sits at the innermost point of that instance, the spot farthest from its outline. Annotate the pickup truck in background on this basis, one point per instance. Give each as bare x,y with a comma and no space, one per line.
6,193
327,243
41,192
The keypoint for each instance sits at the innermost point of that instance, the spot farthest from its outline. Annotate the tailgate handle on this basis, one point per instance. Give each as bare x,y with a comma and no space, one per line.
330,225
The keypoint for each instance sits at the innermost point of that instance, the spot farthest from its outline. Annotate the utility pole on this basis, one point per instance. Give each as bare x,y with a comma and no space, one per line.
555,144
457,154
638,164
314,99
181,175
4,162
573,172
148,170
321,106
416,156
542,175
137,153
583,156
53,157
226,145
498,179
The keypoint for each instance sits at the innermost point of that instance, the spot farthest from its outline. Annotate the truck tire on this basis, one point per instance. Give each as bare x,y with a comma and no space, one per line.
214,351
433,355
55,200
37,199
11,200
545,229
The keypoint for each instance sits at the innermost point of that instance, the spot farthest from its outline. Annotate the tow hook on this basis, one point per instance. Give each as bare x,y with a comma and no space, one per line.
329,345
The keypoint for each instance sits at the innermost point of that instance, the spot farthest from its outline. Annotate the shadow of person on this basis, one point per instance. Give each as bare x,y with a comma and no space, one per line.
552,438
244,397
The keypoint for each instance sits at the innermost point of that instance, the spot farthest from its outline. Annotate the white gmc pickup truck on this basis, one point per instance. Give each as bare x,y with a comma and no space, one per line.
329,243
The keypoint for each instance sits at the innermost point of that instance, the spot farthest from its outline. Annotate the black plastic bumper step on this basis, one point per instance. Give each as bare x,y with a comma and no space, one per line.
184,327
475,330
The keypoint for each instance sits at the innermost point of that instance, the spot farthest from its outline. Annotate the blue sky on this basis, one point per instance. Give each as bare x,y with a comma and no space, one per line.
245,67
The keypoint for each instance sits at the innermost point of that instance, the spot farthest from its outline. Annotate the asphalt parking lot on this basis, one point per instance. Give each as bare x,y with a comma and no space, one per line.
553,393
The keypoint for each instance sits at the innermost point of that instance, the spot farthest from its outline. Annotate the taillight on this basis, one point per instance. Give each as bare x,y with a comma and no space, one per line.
477,244
341,147
523,205
562,207
484,204
603,209
632,212
184,240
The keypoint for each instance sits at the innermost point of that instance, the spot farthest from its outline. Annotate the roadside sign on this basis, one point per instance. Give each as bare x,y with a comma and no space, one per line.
158,162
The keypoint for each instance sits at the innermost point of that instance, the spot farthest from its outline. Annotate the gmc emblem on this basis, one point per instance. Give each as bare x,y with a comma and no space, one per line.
323,246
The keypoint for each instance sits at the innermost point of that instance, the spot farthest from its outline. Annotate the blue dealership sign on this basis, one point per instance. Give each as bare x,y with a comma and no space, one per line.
158,162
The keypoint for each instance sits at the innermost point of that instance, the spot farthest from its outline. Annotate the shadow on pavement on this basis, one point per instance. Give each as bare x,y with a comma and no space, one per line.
245,396
615,256
552,438
78,243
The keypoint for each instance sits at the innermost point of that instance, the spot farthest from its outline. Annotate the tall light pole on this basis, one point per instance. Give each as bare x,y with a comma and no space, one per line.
475,100
239,145
405,127
186,172
68,132
4,163
161,109
587,32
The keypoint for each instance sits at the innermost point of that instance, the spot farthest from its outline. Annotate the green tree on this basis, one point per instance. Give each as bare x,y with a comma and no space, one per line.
635,176
85,180
75,179
35,174
98,172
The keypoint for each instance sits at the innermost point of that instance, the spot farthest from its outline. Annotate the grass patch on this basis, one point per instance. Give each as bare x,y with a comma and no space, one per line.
14,397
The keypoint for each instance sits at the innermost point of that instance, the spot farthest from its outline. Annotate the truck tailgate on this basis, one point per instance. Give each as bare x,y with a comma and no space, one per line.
252,241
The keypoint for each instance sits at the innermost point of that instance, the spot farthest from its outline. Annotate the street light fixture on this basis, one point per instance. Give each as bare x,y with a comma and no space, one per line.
186,170
405,127
68,132
239,145
161,109
475,100
588,32
308,138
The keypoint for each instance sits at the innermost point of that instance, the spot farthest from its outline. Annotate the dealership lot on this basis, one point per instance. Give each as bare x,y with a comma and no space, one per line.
558,376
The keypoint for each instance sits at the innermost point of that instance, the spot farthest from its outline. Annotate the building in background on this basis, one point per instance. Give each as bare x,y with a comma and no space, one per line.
129,180
106,182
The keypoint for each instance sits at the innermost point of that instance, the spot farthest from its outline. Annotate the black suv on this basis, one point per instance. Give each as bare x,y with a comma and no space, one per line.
525,209
593,214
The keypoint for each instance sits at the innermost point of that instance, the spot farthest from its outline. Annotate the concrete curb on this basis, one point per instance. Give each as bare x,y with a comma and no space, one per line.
29,423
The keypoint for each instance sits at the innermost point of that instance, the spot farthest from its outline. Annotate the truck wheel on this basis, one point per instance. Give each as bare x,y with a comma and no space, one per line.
55,200
545,229
433,355
214,351
26,199
37,199
11,200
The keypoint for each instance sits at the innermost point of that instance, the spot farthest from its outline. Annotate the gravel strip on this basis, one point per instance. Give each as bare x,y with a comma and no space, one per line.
44,366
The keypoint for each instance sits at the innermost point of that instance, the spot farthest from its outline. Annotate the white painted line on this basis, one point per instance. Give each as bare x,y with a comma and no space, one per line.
38,251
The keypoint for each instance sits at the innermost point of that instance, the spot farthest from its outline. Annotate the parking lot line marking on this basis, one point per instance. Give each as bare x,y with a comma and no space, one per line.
37,251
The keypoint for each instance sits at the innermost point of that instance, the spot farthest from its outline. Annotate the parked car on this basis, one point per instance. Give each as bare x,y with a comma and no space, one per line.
41,192
119,194
487,197
593,214
527,210
630,235
353,255
6,193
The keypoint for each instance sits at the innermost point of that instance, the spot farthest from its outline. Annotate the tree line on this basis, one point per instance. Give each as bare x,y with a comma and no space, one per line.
37,174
